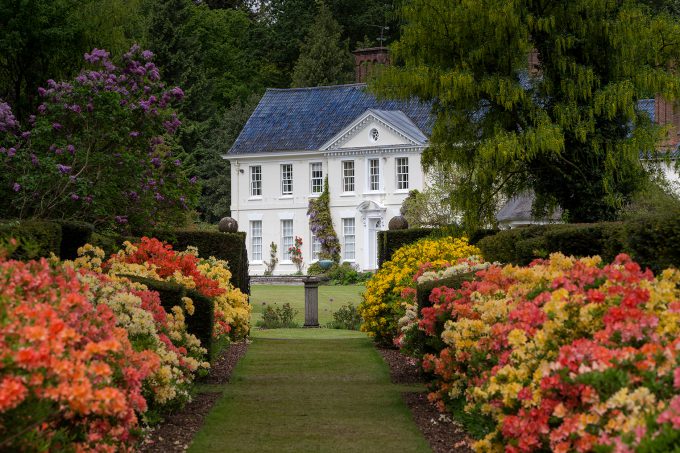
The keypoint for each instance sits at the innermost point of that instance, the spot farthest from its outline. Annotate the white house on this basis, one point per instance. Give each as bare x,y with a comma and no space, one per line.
369,149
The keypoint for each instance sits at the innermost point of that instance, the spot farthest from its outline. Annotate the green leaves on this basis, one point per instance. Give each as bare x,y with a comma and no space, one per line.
569,130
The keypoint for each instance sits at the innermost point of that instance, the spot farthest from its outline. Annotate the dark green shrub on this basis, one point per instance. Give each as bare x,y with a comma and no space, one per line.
346,274
230,247
36,238
275,317
654,241
391,240
346,317
501,247
74,234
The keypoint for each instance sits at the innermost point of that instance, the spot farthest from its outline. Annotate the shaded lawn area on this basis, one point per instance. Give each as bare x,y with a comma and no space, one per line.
312,393
330,299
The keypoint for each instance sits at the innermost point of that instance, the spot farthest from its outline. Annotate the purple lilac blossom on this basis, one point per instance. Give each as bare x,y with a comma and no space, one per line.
11,152
121,219
75,197
63,169
16,187
71,149
7,120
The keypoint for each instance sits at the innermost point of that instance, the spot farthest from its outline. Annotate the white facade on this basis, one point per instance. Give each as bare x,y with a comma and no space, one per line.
371,166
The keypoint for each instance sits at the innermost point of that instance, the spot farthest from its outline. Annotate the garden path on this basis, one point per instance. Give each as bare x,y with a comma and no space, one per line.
310,390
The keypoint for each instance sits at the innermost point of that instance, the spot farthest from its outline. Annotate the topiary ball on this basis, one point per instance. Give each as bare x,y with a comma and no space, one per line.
228,225
398,223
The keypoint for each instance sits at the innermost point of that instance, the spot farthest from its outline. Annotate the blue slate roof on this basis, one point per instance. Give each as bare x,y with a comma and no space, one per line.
647,106
301,119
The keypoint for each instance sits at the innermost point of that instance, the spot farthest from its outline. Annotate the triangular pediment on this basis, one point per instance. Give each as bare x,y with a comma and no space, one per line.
378,128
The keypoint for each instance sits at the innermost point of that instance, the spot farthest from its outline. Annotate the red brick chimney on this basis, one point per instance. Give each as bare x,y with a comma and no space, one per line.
668,113
367,60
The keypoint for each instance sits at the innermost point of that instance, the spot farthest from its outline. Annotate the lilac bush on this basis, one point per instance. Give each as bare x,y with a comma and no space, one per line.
99,148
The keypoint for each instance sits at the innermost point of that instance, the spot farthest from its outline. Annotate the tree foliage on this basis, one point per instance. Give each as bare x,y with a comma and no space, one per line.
324,57
570,130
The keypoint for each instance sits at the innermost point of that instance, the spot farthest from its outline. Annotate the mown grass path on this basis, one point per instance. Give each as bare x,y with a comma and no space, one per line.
310,390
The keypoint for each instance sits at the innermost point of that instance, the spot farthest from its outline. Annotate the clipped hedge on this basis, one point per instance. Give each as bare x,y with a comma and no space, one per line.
652,241
74,234
37,238
230,247
201,323
390,241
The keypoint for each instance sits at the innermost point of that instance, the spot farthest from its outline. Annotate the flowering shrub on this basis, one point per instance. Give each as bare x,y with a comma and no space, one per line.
296,254
70,378
563,355
99,148
211,277
140,313
409,338
381,307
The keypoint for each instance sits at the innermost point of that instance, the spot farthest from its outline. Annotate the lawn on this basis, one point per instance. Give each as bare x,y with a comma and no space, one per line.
330,299
307,390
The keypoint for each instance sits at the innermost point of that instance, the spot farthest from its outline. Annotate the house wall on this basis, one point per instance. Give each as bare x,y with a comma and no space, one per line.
273,207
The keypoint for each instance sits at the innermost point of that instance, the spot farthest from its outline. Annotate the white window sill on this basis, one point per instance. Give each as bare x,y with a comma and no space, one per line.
286,197
285,262
374,192
402,191
314,195
255,198
349,261
348,194
257,262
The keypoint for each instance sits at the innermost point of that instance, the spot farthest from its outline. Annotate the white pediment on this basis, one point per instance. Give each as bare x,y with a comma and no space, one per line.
376,128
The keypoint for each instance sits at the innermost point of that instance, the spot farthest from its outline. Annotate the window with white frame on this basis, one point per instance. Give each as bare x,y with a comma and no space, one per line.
348,238
286,179
402,173
316,247
256,240
317,177
286,238
373,174
256,181
348,176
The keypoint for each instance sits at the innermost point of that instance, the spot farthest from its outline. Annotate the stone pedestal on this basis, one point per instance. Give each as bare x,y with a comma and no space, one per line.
311,302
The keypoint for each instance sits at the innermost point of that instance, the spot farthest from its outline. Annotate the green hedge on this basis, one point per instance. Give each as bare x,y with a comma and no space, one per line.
74,235
230,247
37,238
652,241
391,240
201,323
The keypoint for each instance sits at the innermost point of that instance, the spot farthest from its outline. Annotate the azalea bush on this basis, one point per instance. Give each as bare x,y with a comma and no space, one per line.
99,148
563,355
70,378
381,307
410,339
140,313
154,259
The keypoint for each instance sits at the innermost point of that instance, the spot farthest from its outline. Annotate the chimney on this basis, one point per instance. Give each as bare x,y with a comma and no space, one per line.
367,60
668,113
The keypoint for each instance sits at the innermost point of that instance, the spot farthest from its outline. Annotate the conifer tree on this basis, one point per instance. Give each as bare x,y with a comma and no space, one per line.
324,58
569,129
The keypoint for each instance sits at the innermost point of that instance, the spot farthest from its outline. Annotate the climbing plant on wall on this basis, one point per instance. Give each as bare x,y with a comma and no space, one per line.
321,225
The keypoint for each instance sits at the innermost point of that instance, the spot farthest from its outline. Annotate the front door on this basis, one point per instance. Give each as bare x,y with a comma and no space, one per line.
373,228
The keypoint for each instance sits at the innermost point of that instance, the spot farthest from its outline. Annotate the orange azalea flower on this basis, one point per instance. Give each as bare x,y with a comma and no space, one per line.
12,393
